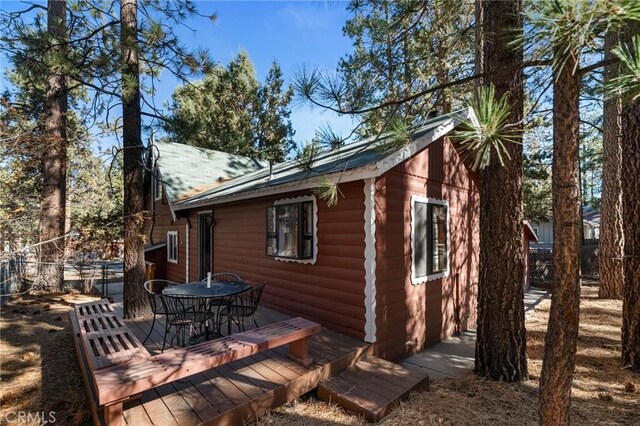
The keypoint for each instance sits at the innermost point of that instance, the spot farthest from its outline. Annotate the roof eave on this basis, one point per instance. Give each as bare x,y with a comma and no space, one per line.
309,183
364,172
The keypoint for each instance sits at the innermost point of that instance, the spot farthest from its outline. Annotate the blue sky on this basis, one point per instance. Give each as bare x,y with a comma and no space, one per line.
294,33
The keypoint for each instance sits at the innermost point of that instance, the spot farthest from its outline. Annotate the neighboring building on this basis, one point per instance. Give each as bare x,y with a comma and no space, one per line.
394,263
528,237
591,229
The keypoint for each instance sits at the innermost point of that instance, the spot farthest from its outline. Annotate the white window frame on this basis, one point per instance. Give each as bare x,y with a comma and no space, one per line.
295,200
171,234
429,277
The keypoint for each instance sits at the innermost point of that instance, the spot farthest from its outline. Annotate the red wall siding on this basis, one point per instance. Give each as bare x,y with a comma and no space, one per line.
429,312
331,291
157,224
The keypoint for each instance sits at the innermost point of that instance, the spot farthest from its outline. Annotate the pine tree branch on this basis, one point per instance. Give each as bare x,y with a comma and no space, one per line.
395,102
600,64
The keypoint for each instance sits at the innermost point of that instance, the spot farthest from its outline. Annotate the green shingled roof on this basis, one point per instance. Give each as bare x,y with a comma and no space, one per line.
355,155
186,170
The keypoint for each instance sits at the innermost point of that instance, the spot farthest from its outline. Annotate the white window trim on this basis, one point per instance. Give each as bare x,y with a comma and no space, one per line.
169,235
302,199
430,277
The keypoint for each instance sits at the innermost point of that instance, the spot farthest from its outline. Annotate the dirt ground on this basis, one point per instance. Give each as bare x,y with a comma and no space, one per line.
38,367
602,394
39,373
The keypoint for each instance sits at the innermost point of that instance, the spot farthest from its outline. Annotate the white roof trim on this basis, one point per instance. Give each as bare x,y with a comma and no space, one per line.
364,172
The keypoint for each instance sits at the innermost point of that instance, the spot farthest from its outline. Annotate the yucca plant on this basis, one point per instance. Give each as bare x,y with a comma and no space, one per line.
627,84
488,133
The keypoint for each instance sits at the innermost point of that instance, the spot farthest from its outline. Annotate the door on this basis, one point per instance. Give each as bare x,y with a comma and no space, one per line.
205,244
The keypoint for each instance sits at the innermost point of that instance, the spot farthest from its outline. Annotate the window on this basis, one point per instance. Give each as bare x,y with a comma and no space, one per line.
429,239
291,229
536,231
172,246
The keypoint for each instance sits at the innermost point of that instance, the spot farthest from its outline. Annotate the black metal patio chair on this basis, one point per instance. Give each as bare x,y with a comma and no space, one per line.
184,314
244,306
154,293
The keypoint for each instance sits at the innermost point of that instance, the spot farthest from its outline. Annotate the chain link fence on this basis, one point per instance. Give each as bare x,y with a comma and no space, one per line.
18,274
541,265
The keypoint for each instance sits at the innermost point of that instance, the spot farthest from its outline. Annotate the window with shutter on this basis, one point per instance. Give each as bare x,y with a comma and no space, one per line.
291,230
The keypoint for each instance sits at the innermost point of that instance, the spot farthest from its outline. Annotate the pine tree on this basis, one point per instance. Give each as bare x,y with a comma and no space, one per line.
54,160
501,341
611,234
272,128
230,111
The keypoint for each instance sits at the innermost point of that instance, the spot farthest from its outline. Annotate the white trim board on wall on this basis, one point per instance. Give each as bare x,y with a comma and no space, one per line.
370,260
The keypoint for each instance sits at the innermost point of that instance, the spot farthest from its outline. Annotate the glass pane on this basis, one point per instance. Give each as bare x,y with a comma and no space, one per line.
307,248
272,246
439,238
307,218
287,230
420,240
271,220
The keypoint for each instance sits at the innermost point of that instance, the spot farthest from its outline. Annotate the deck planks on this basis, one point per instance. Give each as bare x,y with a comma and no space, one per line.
243,389
372,386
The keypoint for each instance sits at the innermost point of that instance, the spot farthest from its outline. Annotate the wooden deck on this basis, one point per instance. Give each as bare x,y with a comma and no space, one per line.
372,387
243,389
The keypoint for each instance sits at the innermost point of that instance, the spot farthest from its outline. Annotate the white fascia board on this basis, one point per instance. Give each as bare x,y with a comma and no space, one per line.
310,183
421,143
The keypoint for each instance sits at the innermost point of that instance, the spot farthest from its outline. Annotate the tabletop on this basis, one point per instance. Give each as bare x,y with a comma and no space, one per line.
200,289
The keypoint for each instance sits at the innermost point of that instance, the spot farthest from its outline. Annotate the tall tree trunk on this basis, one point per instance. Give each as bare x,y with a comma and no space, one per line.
611,235
54,161
501,340
135,302
562,330
631,220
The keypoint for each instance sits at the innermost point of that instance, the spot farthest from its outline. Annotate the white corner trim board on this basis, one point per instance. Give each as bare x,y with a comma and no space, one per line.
429,277
370,260
301,199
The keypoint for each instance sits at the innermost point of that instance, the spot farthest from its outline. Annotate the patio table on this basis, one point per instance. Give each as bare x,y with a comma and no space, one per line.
219,294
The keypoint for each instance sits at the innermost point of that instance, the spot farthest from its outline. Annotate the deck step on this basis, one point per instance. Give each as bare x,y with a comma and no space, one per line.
372,387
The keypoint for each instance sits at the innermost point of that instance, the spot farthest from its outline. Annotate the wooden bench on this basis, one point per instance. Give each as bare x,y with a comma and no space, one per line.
116,367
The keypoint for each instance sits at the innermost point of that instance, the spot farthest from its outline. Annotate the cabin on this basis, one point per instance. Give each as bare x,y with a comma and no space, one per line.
393,263
590,229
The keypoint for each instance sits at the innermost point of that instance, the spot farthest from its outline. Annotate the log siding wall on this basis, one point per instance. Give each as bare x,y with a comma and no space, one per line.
424,314
331,291
160,218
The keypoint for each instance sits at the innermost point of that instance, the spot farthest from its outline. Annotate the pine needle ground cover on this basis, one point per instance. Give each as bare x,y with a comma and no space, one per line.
603,393
39,372
38,366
